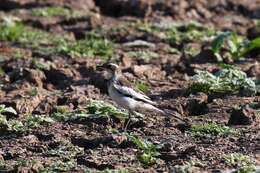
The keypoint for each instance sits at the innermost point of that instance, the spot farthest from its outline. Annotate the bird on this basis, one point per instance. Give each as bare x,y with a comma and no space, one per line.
127,98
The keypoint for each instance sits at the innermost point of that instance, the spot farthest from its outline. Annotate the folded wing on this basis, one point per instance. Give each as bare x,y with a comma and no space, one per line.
129,92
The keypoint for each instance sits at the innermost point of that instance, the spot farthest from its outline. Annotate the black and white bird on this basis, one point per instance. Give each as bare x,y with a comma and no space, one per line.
128,98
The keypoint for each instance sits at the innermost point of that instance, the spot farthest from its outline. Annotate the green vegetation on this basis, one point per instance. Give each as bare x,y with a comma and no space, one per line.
33,165
233,45
12,31
188,167
59,166
8,125
4,109
94,109
242,163
92,45
228,80
245,169
238,159
53,166
178,33
65,150
212,130
32,92
146,151
142,86
102,108
2,165
18,126
119,170
147,56
51,11
35,121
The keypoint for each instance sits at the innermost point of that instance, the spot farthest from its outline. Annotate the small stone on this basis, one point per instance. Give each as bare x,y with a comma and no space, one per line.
244,116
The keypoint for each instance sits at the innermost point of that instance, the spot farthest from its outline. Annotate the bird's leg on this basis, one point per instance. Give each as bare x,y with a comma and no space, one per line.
128,121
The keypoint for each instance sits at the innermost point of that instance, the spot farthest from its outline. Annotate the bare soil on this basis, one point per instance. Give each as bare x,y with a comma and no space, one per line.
72,81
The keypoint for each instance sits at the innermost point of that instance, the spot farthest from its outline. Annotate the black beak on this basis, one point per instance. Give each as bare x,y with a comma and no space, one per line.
100,67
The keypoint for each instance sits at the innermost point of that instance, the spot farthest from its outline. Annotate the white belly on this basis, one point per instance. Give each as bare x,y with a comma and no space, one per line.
124,102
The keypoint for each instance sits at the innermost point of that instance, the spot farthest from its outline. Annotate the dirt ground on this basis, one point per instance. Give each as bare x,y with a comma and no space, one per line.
35,80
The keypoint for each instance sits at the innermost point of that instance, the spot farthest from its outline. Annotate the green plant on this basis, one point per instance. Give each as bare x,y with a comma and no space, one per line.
11,125
11,29
246,169
118,170
102,108
147,56
32,92
242,163
2,165
51,11
35,121
94,109
187,168
212,130
4,109
236,46
58,166
65,150
31,165
146,151
90,46
238,159
227,80
142,86
178,32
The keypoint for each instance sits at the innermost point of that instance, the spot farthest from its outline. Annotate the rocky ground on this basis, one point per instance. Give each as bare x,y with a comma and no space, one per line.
56,116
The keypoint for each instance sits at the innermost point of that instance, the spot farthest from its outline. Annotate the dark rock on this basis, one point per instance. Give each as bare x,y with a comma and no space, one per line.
111,140
93,163
117,8
197,105
75,4
60,78
244,116
36,77
254,70
45,136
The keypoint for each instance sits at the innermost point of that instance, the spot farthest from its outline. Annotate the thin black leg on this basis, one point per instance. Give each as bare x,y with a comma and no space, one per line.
128,121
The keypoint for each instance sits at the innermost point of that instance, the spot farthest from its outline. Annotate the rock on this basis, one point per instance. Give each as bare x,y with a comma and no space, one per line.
46,105
197,105
138,8
91,162
36,77
86,5
244,116
22,101
60,78
253,32
110,140
151,72
254,70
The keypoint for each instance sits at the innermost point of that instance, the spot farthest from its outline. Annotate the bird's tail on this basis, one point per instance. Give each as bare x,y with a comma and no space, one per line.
163,112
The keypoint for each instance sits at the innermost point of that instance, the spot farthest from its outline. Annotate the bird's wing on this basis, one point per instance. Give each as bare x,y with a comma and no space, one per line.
129,92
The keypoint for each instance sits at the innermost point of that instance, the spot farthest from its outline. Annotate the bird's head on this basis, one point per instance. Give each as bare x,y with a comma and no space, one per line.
113,67
110,69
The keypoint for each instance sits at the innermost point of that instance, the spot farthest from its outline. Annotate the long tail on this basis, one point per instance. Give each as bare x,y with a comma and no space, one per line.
165,113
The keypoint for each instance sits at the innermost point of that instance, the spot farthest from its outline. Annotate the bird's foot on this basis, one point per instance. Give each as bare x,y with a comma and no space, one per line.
127,124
